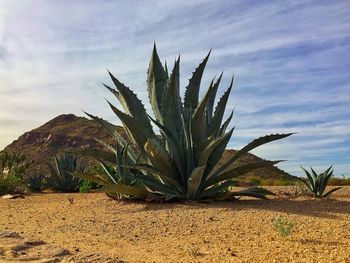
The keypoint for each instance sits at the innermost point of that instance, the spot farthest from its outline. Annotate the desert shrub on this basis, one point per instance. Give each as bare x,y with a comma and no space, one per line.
86,186
179,162
276,182
339,181
283,226
9,184
15,164
294,190
12,170
284,182
36,182
193,252
61,173
317,183
255,181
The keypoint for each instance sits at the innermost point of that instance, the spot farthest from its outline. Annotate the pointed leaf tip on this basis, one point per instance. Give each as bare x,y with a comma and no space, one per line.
154,51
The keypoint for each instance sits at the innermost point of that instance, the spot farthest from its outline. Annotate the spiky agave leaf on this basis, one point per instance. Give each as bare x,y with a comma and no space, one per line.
112,130
132,105
209,186
134,129
101,179
217,146
310,183
136,191
161,159
250,146
218,192
194,181
226,123
199,118
210,104
215,123
324,178
330,192
171,102
192,90
157,174
174,146
237,171
157,79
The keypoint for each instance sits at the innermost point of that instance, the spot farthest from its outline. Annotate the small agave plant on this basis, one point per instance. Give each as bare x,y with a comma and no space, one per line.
36,183
181,162
317,183
61,173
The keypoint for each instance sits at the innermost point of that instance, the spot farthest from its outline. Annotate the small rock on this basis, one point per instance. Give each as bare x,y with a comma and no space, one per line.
9,234
13,196
62,253
35,243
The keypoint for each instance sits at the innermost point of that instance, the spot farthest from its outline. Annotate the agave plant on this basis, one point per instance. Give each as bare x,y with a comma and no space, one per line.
36,182
61,173
180,162
317,183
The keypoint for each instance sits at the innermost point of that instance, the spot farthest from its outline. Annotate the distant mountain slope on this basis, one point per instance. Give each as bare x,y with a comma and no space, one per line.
65,132
69,132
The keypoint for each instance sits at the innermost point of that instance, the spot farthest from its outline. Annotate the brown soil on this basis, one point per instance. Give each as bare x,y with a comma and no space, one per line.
94,228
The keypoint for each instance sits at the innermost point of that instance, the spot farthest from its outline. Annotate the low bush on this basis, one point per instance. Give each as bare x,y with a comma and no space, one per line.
86,186
10,184
339,181
283,226
12,171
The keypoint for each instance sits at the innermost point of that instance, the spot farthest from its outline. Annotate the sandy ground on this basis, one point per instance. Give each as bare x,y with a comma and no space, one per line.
48,228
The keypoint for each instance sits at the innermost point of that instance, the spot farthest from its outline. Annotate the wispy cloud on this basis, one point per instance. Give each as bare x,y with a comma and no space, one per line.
290,59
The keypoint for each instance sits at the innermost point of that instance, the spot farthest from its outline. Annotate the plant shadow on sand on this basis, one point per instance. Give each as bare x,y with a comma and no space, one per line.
305,207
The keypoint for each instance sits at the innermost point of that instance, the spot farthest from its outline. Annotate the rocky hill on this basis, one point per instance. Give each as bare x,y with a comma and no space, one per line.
63,133
69,132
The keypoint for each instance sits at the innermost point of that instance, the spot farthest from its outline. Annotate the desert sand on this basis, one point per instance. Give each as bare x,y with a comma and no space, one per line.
94,228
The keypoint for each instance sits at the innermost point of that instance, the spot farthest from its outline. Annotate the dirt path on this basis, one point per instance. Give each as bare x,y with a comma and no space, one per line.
48,228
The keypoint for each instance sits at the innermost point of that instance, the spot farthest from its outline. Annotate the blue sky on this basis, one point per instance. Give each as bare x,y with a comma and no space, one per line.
291,62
